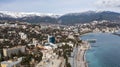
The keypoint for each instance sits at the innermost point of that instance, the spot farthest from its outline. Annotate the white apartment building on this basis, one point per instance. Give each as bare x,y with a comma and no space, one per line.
14,50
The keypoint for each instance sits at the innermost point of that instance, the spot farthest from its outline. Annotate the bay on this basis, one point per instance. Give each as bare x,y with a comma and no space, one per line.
105,52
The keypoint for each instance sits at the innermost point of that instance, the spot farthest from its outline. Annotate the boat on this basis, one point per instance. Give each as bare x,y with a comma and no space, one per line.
91,40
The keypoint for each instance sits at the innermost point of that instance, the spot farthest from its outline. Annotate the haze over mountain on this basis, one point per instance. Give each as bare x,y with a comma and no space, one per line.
71,18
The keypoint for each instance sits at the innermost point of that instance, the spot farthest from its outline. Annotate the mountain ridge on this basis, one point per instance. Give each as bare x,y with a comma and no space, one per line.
70,18
25,14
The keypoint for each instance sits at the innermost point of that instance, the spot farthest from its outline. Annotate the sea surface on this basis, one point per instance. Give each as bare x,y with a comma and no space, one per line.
105,52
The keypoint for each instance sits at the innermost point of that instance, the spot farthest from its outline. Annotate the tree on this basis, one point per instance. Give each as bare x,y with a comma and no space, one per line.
68,65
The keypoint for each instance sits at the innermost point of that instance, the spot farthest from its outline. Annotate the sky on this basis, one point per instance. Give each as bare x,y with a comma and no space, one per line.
59,6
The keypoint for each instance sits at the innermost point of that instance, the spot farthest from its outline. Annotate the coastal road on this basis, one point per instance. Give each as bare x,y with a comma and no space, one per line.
75,57
78,56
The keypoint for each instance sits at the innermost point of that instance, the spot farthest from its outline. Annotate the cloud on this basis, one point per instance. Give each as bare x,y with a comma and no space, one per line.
57,6
46,6
108,3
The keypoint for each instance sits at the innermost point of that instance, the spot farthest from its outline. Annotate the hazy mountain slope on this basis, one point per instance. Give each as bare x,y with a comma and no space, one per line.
70,18
89,16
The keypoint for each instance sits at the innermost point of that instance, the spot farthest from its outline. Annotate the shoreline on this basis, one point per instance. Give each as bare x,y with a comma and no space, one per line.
110,36
87,45
85,51
81,55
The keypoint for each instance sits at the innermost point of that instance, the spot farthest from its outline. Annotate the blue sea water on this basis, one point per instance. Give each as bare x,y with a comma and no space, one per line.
105,52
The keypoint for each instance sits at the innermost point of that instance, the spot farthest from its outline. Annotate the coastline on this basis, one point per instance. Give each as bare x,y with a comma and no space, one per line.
85,60
89,47
108,41
81,53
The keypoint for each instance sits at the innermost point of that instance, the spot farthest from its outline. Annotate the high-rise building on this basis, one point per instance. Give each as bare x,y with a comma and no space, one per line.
51,39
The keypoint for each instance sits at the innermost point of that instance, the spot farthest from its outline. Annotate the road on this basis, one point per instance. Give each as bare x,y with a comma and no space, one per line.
78,55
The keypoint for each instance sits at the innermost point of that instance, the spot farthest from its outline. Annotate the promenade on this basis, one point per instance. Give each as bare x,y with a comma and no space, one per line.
79,55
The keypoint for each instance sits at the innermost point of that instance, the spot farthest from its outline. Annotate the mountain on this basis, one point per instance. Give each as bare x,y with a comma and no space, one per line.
89,16
32,17
71,18
25,14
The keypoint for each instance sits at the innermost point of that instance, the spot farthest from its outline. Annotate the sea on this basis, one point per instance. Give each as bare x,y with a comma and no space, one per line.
105,52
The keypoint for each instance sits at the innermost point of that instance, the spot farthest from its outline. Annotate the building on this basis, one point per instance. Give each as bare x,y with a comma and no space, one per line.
71,36
10,63
23,35
14,50
51,39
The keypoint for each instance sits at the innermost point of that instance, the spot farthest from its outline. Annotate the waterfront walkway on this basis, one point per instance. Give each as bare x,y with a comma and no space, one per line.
78,55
